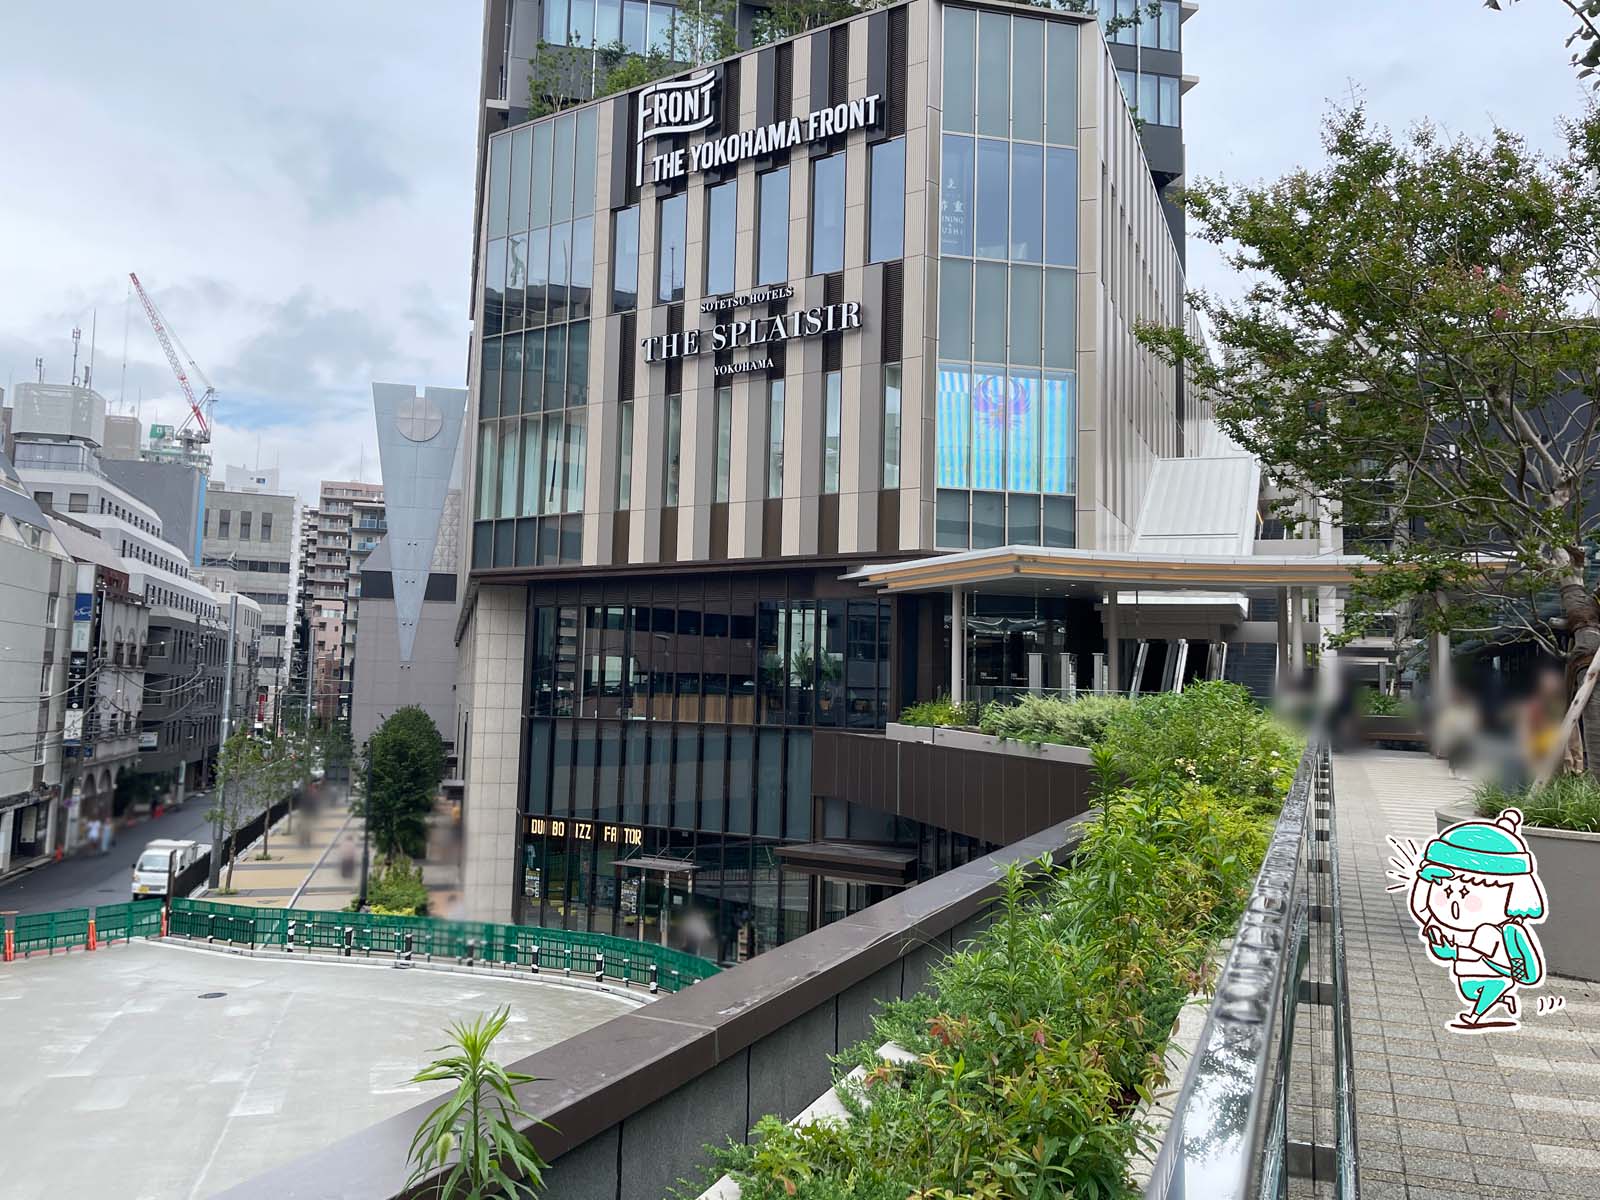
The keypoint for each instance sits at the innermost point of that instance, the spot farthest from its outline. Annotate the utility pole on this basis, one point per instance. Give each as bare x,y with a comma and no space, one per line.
227,714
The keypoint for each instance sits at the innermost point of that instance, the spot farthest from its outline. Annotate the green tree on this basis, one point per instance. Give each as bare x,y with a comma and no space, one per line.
405,765
1583,41
1417,348
473,1136
252,774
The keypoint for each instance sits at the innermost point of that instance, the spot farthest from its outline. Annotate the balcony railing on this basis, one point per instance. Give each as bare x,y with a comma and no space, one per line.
1273,1068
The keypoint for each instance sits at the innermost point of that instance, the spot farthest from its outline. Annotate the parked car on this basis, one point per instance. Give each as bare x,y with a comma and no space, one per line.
151,867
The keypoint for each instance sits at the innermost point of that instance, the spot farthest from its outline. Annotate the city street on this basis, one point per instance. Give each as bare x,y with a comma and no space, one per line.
92,878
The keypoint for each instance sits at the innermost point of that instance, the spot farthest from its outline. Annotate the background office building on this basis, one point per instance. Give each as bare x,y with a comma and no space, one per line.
865,297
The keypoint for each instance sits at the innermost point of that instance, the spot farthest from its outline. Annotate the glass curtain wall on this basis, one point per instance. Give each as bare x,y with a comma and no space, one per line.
533,380
1005,396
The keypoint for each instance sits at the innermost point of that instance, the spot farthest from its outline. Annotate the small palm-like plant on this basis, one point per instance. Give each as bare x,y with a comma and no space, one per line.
474,1132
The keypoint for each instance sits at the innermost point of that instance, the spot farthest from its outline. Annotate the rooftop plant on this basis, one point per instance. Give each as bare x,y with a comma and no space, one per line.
1566,802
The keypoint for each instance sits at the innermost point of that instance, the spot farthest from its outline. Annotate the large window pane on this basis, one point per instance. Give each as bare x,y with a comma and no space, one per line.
672,449
550,501
950,521
672,245
955,196
625,454
488,457
582,279
660,28
633,26
573,456
1027,203
988,430
1027,79
494,288
797,796
518,201
1060,318
499,173
827,214
577,364
774,439
561,169
511,376
886,209
555,366
1060,522
955,308
542,167
1170,24
1169,91
960,45
538,289
625,259
994,177
1022,520
1061,84
580,23
607,23
489,379
533,371
509,444
891,425
724,443
1058,435
994,85
1026,315
1149,102
722,204
516,279
772,233
555,22
989,315
560,272
1022,434
531,459
988,520
832,430
953,425
1061,207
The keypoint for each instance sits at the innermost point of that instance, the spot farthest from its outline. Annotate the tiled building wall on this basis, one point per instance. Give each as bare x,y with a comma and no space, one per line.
493,661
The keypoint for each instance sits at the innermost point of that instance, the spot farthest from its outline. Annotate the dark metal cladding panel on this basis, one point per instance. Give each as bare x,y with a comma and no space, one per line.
766,85
878,66
620,189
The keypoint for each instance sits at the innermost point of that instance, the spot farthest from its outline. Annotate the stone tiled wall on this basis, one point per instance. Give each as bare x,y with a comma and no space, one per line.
494,642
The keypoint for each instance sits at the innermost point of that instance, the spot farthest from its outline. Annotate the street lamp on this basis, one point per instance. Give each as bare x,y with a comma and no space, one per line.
366,828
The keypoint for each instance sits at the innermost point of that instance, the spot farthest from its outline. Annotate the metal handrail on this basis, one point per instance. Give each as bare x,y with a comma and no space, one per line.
1229,1137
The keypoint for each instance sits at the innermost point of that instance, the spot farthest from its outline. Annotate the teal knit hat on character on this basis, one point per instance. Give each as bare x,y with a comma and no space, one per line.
1478,848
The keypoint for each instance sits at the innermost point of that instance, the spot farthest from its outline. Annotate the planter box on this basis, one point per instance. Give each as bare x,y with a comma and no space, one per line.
1569,863
970,739
1392,729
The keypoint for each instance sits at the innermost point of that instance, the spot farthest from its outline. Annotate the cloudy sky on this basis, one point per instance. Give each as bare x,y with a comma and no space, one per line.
293,183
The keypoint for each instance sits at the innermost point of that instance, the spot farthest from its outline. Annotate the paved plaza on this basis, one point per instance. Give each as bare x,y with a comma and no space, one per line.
156,1071
1443,1116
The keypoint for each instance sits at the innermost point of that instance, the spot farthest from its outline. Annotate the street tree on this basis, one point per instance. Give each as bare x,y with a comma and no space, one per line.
405,765
252,773
1418,348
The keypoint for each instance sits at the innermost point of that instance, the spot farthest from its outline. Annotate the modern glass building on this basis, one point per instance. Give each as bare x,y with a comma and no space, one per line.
744,337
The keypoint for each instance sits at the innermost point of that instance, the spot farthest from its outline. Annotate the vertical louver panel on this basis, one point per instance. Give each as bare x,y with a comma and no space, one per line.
894,292
899,53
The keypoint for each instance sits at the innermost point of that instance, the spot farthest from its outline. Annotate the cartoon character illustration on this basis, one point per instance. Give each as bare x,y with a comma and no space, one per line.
1475,894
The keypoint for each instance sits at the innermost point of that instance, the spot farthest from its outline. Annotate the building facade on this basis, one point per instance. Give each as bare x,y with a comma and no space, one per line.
249,548
332,583
865,295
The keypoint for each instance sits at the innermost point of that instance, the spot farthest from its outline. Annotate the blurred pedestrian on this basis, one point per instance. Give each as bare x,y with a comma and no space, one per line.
94,832
107,835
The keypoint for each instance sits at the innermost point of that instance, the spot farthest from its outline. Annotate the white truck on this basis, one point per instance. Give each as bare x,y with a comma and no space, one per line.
151,867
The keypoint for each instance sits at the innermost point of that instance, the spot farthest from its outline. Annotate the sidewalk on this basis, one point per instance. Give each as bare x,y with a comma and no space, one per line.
305,861
1440,1114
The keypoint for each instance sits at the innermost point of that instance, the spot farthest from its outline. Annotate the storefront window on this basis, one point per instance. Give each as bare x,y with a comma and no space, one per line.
955,194
827,214
772,232
886,207
721,230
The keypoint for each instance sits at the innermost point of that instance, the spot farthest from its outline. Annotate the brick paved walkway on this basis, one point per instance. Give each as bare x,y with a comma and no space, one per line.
1441,1115
295,858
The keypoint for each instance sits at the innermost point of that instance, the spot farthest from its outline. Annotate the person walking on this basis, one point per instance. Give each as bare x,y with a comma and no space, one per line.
107,832
94,832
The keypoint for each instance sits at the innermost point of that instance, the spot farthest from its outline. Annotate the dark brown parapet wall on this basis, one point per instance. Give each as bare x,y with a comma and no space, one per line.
995,792
633,1102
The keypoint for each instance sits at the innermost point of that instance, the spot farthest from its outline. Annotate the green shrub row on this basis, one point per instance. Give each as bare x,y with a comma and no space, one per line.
1566,802
1040,1038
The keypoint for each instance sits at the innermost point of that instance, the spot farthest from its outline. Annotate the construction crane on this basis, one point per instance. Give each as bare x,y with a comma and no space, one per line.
198,409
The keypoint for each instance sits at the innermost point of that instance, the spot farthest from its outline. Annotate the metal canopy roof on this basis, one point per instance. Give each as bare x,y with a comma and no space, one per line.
1101,569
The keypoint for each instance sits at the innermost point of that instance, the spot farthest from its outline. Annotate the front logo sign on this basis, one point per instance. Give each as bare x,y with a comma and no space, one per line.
674,106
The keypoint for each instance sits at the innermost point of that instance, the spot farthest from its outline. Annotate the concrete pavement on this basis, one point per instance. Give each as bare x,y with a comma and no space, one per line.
152,1070
1442,1115
316,853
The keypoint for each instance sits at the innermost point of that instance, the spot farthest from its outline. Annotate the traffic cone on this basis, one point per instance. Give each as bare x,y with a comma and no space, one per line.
91,933
56,857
